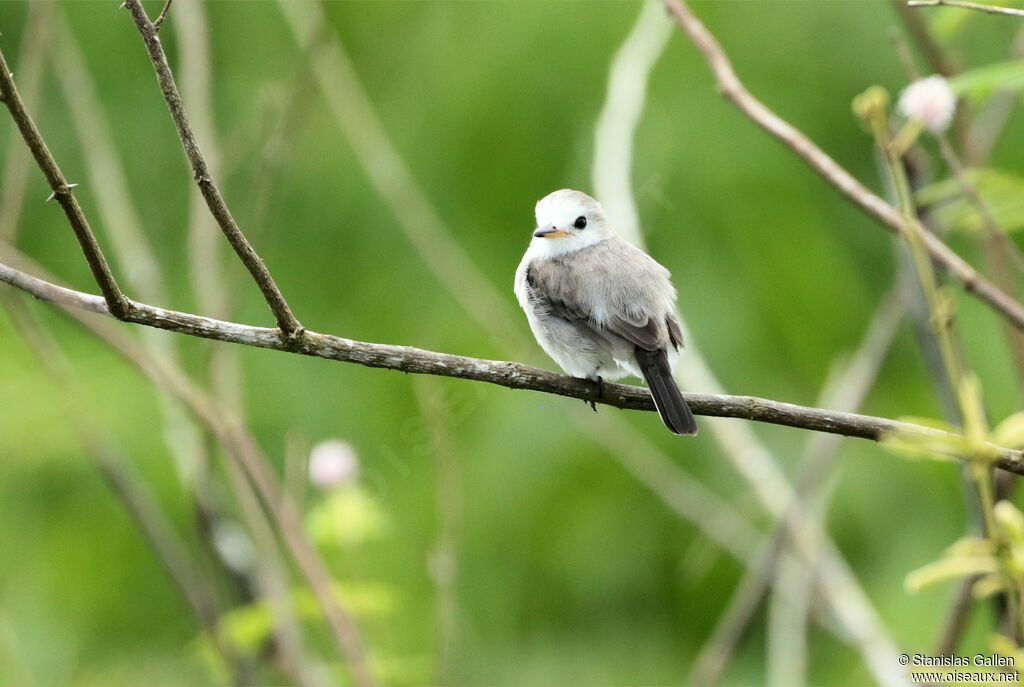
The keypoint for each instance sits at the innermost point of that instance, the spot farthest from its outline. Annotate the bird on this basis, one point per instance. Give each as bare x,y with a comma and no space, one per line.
600,307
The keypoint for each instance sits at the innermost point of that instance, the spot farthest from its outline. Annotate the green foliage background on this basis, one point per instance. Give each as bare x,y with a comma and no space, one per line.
570,572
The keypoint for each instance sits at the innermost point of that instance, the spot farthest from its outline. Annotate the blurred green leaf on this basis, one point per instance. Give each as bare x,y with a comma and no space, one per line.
1003,645
949,568
346,517
248,627
970,546
1002,193
944,446
988,585
929,422
947,22
1011,519
1010,432
978,84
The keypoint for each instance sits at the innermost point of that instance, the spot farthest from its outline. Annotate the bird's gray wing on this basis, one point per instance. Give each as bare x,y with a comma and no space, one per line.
560,293
675,333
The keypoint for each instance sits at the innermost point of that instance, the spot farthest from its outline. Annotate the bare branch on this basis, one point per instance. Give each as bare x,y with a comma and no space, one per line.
827,168
116,301
507,374
989,9
201,172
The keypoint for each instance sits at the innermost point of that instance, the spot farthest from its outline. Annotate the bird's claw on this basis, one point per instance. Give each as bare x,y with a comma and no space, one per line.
600,392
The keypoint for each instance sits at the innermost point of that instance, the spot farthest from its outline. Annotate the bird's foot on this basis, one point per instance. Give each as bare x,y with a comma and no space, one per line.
600,392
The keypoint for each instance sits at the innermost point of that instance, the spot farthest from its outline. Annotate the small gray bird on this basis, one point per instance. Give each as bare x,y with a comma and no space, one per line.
601,307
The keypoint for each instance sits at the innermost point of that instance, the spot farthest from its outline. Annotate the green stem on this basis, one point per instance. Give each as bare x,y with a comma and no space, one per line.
971,415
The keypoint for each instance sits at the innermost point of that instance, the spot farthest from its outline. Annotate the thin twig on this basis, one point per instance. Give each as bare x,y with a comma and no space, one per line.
933,52
734,90
31,62
957,617
990,122
935,57
130,249
205,266
201,172
988,9
116,300
158,22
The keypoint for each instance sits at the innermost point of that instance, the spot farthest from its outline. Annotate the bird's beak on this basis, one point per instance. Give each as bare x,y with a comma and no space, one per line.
549,232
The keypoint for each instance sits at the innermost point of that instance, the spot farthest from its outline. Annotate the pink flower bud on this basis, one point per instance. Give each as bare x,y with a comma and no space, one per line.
333,463
929,101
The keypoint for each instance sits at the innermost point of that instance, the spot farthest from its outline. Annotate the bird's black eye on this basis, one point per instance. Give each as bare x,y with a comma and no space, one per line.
580,223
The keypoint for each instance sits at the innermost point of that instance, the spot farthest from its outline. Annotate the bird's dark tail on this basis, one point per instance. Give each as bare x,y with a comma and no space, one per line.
667,399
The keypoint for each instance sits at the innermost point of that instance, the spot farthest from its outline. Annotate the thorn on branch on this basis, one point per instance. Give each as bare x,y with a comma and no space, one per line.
64,190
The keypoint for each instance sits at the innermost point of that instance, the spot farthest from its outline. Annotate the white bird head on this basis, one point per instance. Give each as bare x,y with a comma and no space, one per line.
567,221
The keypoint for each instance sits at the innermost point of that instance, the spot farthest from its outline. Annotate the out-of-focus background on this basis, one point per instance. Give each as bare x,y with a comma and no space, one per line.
492,537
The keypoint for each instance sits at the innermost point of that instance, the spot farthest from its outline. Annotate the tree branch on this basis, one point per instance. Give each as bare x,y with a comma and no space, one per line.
989,9
116,301
201,173
507,374
733,89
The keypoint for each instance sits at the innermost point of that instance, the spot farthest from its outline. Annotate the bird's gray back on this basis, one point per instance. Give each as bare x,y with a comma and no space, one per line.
614,286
